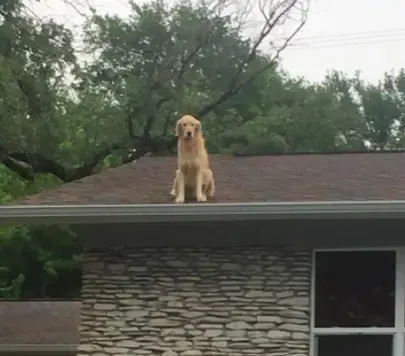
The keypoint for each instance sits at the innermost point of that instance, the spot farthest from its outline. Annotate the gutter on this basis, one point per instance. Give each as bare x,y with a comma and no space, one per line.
38,349
149,213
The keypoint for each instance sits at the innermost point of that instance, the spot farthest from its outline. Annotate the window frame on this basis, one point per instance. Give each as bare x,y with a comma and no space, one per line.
398,331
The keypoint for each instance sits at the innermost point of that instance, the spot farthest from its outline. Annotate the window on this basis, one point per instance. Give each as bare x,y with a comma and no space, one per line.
358,302
355,345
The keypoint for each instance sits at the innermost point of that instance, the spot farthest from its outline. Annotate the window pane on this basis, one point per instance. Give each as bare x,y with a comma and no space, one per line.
355,345
355,289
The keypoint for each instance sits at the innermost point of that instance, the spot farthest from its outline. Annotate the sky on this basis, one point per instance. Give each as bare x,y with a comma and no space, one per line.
345,35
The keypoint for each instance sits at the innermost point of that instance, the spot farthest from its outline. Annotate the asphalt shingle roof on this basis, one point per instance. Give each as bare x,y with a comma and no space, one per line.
39,322
304,177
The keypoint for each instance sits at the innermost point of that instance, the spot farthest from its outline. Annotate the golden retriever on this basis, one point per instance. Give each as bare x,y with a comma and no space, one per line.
208,184
193,163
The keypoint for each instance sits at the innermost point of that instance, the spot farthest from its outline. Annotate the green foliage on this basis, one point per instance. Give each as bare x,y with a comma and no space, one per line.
39,262
36,262
157,64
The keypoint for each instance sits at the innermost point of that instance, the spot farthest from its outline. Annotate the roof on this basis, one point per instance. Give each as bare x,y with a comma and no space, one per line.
39,322
278,178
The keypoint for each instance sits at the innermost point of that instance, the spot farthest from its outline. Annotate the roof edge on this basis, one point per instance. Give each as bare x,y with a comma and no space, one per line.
22,348
149,213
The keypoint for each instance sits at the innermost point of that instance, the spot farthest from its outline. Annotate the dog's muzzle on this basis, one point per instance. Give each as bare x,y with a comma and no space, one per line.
189,134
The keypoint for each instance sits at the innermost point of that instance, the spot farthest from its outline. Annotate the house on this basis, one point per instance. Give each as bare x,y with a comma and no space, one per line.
39,328
299,255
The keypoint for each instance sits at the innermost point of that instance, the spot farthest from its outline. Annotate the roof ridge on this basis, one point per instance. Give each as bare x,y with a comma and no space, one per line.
278,154
324,153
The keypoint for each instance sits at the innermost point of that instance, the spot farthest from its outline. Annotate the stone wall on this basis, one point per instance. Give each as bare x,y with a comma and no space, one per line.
196,301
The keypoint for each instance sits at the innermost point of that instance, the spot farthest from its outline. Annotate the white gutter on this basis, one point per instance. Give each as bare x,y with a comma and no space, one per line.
147,213
38,349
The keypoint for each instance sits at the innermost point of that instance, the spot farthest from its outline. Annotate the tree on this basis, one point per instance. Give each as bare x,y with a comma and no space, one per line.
33,57
383,110
37,261
339,114
160,63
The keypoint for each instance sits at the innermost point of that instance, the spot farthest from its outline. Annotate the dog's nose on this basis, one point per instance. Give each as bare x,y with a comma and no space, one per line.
189,134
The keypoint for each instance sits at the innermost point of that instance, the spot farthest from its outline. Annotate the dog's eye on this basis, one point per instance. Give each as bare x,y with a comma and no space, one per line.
184,124
192,124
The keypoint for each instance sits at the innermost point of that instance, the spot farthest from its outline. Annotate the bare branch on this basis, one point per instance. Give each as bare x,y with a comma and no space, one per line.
76,9
276,15
185,61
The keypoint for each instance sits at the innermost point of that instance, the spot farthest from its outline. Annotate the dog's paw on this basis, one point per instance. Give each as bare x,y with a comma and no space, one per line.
179,200
173,193
202,198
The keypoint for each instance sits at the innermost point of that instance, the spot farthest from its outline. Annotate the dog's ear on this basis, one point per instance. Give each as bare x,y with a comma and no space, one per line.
198,127
178,128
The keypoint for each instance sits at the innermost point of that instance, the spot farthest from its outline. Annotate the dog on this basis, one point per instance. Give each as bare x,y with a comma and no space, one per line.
208,184
193,163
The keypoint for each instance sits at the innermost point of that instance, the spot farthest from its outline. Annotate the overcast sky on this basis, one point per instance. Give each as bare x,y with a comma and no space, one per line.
347,35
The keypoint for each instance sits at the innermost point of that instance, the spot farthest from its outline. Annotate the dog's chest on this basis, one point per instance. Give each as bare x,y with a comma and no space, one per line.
190,174
189,162
189,169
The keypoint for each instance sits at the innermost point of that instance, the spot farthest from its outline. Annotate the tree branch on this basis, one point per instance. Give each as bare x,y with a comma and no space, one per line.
187,59
274,18
27,165
152,117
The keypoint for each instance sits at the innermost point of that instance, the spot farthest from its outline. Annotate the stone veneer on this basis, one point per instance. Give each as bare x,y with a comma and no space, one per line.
196,301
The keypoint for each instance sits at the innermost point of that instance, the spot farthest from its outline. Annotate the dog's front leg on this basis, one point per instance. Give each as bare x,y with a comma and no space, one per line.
180,187
211,188
209,183
173,193
198,187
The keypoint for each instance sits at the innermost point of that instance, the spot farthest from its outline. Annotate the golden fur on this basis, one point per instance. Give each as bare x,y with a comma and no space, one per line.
208,184
193,163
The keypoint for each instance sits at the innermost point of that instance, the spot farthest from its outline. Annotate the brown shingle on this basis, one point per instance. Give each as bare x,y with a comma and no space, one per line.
354,176
39,322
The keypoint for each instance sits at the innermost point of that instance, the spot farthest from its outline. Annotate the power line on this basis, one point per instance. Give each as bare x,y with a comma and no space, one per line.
348,39
343,43
354,34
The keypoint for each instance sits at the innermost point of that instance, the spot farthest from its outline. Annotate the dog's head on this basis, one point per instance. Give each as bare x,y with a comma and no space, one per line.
188,127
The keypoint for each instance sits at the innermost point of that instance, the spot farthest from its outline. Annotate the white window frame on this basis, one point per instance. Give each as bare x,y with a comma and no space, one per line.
398,331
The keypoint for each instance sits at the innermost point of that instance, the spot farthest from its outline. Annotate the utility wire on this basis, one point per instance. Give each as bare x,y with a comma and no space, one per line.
356,39
349,43
367,34
352,39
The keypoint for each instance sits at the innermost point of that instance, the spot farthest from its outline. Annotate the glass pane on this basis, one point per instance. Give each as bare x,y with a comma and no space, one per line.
355,345
355,289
